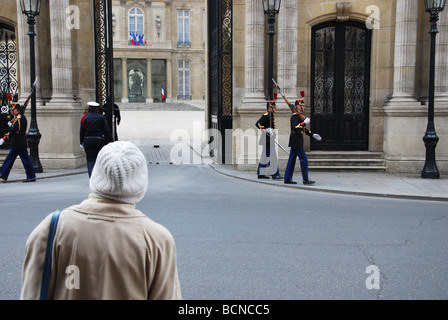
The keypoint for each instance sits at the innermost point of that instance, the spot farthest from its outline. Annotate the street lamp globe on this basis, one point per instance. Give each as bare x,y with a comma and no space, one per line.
271,6
434,5
30,7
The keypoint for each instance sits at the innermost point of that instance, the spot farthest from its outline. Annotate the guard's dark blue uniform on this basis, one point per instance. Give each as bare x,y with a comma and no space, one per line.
17,136
297,150
93,135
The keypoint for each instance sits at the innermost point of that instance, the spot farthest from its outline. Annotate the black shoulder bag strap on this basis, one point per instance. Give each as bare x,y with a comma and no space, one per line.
48,256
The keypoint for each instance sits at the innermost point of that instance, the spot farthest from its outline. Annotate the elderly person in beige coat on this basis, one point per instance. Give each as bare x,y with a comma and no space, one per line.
104,248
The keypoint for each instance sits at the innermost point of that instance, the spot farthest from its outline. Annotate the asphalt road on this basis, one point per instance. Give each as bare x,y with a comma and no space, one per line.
242,240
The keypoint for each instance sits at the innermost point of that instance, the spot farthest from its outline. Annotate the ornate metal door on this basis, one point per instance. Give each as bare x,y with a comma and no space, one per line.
8,76
220,78
340,86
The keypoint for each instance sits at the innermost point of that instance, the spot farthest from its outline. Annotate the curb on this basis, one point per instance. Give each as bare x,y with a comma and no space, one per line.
329,190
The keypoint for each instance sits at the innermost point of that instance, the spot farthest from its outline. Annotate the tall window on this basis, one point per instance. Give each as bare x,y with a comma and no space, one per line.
183,28
184,80
136,33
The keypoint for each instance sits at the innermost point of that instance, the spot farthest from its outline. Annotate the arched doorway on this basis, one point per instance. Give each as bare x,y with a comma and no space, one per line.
340,74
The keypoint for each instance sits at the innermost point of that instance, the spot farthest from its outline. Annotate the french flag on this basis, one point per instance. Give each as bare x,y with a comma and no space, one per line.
162,94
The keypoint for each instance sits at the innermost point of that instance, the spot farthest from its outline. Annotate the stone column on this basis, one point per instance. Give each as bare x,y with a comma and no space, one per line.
61,53
59,119
287,29
124,73
405,51
405,117
441,70
23,45
255,51
169,81
149,80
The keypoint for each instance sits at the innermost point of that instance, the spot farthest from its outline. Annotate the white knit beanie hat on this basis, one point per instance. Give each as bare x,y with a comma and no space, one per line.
120,173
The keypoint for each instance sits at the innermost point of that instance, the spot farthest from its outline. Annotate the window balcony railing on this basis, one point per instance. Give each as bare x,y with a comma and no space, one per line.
183,43
183,97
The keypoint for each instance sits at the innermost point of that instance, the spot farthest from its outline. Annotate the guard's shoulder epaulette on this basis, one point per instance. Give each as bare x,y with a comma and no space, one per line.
266,113
19,116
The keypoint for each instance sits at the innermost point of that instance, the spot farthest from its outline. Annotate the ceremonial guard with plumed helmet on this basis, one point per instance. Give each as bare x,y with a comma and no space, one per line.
17,136
268,164
298,127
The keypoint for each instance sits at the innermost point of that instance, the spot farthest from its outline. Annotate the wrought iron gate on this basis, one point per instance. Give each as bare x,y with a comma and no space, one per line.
340,85
8,76
104,62
220,79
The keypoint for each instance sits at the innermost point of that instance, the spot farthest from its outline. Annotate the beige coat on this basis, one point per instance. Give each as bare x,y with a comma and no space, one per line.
109,249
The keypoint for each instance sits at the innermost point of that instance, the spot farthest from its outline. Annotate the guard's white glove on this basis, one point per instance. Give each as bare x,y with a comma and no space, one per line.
269,131
317,137
81,146
9,123
2,141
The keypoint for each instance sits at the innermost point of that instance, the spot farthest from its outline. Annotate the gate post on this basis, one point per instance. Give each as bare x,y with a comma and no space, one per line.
104,61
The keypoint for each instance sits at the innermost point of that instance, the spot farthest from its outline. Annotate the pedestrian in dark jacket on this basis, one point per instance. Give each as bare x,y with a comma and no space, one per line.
93,134
117,119
17,135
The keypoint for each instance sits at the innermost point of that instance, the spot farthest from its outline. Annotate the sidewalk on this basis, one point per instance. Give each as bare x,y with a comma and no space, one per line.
407,186
18,175
404,186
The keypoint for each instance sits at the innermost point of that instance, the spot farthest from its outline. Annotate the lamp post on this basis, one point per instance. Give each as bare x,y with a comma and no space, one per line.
31,9
430,138
271,8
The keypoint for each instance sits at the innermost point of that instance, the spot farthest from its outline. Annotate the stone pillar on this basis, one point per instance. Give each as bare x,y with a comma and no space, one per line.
405,117
441,91
405,51
59,119
149,80
287,29
253,104
441,70
61,53
124,73
23,45
169,81
255,51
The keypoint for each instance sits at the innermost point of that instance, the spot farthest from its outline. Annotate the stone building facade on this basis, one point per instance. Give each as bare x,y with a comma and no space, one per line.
363,65
364,68
171,54
64,57
159,43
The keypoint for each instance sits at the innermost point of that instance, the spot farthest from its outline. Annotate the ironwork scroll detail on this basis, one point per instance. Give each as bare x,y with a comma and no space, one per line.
8,61
354,78
226,58
104,57
101,50
324,70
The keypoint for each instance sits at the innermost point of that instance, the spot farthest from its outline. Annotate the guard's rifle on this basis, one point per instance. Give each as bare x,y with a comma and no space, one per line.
294,110
33,87
291,105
